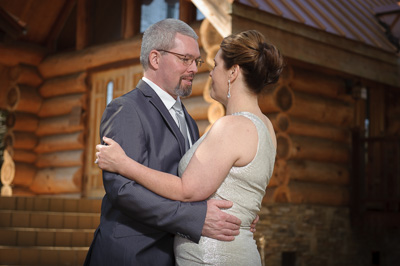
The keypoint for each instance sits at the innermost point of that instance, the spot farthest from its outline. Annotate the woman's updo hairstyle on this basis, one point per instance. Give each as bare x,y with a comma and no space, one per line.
261,62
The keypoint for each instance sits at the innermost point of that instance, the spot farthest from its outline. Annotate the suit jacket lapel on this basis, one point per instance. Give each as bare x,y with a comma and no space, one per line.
159,105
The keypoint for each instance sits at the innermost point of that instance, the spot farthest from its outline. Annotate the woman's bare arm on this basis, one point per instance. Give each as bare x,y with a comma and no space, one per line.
231,141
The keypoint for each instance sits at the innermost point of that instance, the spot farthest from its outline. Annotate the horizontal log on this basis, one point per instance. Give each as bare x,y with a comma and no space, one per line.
197,107
302,127
24,140
57,180
318,172
29,100
13,54
279,176
286,76
25,122
65,142
309,193
279,99
122,51
318,83
62,105
71,84
24,156
307,148
24,174
279,194
22,191
322,110
26,75
60,159
60,124
95,56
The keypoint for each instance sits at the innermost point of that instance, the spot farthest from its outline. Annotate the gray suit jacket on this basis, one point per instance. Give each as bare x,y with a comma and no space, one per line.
137,226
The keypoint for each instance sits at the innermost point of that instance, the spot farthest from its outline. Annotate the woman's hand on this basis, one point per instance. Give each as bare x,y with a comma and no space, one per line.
110,157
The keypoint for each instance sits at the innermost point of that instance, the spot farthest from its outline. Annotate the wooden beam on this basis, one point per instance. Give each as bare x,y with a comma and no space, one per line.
71,84
82,24
187,11
15,53
59,24
26,75
130,18
217,12
11,25
72,62
319,48
57,180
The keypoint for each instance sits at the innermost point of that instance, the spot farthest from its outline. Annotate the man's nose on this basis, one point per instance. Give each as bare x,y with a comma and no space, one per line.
193,67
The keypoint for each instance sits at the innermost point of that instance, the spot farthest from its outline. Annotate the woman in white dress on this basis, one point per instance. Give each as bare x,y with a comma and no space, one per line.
234,160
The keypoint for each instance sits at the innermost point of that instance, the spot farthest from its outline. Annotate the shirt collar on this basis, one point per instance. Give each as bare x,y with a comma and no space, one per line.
167,99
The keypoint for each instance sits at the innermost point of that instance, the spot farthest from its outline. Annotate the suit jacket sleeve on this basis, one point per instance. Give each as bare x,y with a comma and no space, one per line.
143,136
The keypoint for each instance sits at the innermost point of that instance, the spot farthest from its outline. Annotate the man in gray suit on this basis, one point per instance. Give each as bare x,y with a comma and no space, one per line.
137,227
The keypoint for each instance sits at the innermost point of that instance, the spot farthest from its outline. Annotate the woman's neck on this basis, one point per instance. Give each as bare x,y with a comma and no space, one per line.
242,103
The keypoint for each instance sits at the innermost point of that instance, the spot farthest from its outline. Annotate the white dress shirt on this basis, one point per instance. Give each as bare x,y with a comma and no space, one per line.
168,101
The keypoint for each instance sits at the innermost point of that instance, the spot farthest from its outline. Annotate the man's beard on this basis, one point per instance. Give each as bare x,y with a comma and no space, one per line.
183,90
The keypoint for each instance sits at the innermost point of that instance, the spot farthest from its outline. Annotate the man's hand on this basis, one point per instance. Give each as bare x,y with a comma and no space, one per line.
254,223
218,224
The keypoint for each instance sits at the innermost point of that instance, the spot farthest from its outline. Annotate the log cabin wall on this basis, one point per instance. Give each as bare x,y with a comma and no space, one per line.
313,115
21,101
26,111
60,135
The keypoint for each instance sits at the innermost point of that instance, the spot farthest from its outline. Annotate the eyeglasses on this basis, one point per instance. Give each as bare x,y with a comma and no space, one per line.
186,60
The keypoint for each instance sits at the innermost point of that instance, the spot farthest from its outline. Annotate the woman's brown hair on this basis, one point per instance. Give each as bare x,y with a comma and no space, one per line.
261,62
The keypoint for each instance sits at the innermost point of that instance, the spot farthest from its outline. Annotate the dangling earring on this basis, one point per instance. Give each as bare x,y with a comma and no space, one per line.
229,89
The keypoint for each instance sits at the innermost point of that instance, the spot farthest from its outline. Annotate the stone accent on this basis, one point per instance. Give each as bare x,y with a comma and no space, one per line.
307,235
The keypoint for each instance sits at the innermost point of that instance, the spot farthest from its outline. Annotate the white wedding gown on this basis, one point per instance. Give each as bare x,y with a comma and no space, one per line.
245,187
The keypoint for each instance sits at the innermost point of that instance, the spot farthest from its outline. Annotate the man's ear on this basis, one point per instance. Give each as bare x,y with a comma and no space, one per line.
154,59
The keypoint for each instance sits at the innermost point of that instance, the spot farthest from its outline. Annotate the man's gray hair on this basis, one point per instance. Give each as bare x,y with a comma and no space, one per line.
161,36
